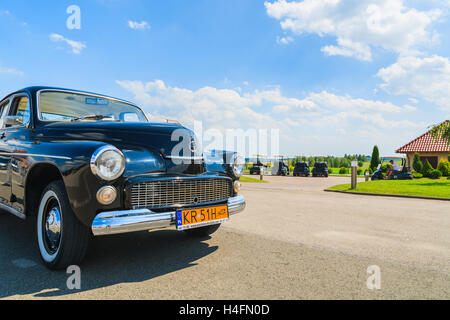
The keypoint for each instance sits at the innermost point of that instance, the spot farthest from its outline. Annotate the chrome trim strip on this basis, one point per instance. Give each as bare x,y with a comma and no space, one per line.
13,211
116,222
34,155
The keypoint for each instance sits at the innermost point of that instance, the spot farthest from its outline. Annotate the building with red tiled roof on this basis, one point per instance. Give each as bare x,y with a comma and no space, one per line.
429,148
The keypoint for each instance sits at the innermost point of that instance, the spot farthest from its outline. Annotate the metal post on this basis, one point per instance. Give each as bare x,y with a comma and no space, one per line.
354,173
367,176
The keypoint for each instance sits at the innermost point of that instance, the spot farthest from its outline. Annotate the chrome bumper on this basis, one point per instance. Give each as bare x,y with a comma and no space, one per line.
116,222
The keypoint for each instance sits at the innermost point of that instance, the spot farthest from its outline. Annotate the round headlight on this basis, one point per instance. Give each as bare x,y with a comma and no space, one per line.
237,165
108,163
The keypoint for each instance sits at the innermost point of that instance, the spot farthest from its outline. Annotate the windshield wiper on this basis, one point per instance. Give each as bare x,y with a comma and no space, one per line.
93,117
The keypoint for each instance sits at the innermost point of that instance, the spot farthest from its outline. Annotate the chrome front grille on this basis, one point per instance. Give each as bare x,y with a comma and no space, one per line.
179,192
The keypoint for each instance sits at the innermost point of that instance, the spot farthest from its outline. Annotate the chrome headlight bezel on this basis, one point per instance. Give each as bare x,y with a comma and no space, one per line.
237,164
97,156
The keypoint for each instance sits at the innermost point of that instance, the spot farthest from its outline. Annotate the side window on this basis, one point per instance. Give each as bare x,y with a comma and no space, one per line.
3,108
21,110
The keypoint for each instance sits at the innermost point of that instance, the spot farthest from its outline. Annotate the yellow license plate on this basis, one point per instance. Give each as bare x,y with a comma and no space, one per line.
200,217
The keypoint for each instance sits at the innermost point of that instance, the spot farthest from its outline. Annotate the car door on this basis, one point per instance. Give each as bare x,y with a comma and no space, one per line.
13,138
4,156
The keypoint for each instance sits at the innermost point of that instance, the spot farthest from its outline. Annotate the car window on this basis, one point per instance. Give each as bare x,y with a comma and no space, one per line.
71,106
3,107
21,109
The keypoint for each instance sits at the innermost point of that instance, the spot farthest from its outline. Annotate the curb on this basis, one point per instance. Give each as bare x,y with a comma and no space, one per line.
388,195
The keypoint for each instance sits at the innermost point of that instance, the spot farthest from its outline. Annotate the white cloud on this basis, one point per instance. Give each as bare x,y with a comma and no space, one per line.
427,78
348,48
284,40
76,46
358,25
267,108
138,25
11,71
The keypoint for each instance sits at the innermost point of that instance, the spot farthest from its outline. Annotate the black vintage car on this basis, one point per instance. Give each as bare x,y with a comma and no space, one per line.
320,169
84,164
302,169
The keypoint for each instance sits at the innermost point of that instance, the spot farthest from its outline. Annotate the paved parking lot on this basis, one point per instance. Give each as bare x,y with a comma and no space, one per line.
294,241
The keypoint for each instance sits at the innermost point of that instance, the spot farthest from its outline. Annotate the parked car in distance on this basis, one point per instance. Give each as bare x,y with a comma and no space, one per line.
84,164
257,168
320,169
280,169
302,169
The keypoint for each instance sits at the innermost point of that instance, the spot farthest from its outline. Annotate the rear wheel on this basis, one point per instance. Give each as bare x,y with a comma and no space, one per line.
62,239
203,231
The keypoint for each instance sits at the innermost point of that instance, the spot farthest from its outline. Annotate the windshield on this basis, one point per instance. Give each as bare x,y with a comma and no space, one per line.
68,106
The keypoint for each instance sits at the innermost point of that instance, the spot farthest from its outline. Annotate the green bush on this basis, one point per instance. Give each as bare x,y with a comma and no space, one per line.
444,167
427,168
435,174
417,175
417,164
330,171
370,171
343,170
359,171
384,168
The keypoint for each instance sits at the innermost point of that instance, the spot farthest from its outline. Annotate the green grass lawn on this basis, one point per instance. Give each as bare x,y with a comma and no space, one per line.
418,187
248,179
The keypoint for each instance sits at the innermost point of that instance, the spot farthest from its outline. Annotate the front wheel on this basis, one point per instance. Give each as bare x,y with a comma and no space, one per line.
203,231
62,239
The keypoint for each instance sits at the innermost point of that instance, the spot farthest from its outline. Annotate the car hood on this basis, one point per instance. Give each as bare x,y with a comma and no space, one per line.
155,136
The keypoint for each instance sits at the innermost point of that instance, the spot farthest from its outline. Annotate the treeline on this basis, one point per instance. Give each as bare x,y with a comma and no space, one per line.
333,162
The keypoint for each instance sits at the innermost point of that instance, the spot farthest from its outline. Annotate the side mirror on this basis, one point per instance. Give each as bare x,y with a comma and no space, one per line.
14,120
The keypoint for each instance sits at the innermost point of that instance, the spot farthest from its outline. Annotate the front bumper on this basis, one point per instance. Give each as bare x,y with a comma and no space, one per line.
126,221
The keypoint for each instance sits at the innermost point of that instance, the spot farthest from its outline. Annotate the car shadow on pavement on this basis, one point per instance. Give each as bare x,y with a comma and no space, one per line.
128,258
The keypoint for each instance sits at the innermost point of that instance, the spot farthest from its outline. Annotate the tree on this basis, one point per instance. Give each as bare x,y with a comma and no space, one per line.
417,164
442,131
427,168
375,158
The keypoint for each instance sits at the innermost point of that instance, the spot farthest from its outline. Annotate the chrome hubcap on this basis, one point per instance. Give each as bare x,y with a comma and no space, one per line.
52,229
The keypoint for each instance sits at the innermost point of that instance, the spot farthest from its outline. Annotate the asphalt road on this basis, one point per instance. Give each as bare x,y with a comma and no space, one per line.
294,241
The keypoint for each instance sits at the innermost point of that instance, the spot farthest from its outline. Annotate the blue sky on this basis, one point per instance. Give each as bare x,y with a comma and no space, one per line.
331,83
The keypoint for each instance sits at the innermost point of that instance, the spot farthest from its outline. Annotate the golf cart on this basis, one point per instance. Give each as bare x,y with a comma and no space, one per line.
259,167
281,166
302,169
402,174
320,169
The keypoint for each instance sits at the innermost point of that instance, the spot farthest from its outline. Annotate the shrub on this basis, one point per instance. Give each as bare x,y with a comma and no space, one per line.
417,175
330,171
435,174
427,168
343,170
417,164
359,171
384,168
444,167
370,171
